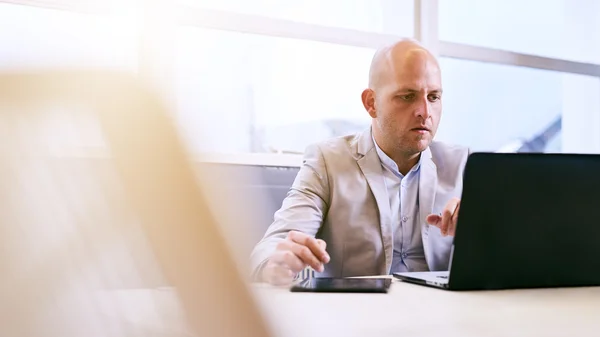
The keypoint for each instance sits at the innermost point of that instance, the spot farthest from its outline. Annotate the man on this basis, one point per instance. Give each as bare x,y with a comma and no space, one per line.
379,202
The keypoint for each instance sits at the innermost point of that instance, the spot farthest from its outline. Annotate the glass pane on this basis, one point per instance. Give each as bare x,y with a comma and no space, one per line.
389,16
492,107
262,94
37,37
565,29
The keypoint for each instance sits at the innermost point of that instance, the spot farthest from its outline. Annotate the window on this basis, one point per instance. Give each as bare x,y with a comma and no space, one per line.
37,37
492,107
272,76
250,93
566,29
387,16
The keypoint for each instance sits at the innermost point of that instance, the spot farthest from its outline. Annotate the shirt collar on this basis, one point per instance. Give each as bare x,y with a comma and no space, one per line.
391,165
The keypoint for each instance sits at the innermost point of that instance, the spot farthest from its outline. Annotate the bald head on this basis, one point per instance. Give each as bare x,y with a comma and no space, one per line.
388,60
404,100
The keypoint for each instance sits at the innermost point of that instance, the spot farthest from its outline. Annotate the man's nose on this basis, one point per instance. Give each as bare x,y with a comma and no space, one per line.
423,108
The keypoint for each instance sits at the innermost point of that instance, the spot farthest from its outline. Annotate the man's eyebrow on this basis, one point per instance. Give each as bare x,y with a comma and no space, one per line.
412,91
406,90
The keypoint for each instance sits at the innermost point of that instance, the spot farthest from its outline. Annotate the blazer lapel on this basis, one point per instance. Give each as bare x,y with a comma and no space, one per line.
427,187
370,166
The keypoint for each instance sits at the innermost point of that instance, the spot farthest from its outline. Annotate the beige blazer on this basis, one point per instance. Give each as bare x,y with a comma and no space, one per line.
340,196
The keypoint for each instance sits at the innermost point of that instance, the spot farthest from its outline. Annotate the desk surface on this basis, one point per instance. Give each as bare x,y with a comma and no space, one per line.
413,310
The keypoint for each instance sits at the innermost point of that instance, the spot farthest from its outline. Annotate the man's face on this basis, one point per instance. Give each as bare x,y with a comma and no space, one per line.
408,103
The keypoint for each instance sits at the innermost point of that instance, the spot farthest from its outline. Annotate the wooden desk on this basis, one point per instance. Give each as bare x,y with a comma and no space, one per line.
406,311
413,310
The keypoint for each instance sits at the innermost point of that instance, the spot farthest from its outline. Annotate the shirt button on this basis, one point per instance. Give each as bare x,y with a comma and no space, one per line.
404,218
404,255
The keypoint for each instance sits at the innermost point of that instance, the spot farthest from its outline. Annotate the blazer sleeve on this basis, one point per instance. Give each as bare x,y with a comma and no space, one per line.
303,209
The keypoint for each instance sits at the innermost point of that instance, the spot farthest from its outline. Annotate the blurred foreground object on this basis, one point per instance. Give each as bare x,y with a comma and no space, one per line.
97,196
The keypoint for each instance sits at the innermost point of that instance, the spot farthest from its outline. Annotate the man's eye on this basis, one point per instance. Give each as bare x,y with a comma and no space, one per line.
433,98
407,97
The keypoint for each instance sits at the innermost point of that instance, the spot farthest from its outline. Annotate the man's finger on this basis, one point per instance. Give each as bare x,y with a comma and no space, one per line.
454,220
289,259
307,256
322,244
311,243
434,220
447,215
297,256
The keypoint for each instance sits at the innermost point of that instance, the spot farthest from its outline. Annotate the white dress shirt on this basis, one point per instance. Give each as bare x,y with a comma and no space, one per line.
403,194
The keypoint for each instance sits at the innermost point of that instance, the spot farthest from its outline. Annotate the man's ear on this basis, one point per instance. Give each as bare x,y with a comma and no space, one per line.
368,100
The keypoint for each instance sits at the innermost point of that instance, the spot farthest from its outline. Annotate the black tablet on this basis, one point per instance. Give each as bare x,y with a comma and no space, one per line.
343,285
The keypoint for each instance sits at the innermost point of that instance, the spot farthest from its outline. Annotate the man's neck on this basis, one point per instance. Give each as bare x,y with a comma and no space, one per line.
406,163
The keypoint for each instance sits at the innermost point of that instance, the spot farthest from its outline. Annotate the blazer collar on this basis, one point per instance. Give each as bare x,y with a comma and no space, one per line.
365,142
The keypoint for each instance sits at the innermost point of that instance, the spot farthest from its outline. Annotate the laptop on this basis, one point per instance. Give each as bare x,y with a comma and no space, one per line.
527,220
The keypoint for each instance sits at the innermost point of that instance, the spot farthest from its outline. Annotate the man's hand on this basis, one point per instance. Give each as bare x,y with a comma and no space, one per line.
292,255
446,222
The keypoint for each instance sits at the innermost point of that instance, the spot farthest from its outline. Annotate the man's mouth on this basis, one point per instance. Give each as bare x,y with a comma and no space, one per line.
421,129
